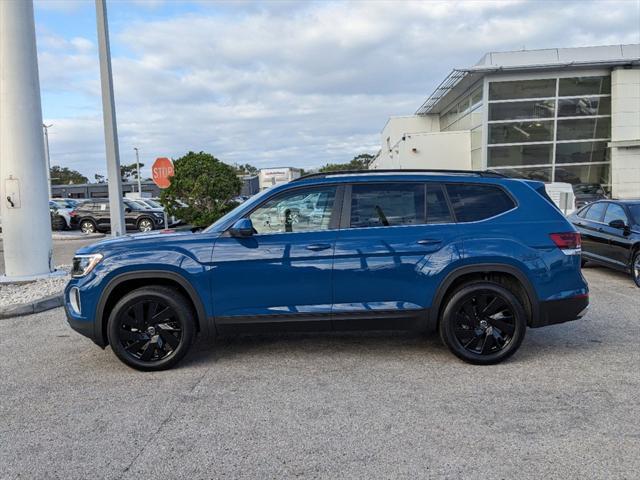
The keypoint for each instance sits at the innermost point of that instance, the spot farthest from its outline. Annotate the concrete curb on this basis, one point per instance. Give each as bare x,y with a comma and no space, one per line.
89,236
21,309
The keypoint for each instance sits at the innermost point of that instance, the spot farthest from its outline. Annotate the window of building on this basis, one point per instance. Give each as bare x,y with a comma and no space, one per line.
478,202
572,127
387,205
520,155
306,210
584,86
595,212
437,206
522,89
615,212
522,110
582,152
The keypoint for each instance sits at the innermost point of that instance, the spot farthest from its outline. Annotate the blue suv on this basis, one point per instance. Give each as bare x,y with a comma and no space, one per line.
476,256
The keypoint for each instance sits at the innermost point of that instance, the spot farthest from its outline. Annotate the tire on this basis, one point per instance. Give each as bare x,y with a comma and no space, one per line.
151,328
635,268
483,338
145,225
58,223
87,227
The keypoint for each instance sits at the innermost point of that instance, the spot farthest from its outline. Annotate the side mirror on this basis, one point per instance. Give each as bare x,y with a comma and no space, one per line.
127,210
619,224
242,228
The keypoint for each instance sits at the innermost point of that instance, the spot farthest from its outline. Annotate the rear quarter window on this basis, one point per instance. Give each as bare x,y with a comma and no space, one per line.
472,202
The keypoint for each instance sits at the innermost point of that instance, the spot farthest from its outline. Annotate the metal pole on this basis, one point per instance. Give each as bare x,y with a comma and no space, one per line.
138,171
110,127
47,155
24,202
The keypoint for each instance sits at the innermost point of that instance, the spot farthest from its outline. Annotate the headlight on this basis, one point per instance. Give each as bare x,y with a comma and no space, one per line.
83,264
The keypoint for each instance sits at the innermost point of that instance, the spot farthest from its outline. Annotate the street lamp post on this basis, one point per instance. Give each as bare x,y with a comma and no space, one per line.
47,155
138,172
110,128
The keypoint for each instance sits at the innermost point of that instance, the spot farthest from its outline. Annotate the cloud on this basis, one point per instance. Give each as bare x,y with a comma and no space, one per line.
298,84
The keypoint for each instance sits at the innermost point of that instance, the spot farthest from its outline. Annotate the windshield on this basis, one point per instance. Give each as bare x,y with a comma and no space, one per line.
635,212
153,203
246,205
135,205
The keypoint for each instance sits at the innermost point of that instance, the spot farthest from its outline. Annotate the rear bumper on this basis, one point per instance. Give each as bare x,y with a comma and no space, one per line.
560,311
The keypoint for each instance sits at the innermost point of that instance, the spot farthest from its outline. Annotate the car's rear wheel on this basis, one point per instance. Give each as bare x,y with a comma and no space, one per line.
483,323
151,328
145,225
58,223
635,268
87,227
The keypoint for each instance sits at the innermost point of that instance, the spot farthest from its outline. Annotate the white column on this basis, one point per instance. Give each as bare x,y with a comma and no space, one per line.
26,222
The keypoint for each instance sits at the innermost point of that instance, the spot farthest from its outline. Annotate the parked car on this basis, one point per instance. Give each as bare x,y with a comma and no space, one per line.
587,193
610,231
94,215
71,203
475,256
61,215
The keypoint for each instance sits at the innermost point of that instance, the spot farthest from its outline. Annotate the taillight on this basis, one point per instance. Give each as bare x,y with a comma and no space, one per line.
568,242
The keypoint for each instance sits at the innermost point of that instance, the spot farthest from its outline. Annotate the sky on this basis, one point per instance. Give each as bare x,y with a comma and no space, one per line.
279,83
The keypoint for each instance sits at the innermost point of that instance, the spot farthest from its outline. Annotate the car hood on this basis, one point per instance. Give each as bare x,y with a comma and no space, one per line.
151,240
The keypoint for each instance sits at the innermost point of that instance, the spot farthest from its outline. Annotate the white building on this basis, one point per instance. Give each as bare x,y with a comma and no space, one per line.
268,177
563,114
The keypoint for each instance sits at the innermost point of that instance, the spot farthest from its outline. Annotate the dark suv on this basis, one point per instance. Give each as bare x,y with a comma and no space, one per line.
94,215
473,255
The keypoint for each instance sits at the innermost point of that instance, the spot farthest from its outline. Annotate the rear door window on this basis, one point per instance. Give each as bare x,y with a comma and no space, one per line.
437,206
387,205
473,202
615,212
596,211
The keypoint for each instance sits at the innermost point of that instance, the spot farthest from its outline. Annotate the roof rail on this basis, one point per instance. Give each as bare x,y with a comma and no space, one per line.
478,173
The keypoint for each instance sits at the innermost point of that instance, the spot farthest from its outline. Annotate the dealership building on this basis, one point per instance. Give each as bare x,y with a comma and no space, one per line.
563,114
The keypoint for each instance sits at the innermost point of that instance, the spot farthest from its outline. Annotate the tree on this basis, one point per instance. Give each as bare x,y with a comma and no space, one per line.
65,176
246,169
99,178
129,172
205,184
359,162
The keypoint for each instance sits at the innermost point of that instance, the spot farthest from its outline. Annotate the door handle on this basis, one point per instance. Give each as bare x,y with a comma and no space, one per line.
429,241
316,247
600,229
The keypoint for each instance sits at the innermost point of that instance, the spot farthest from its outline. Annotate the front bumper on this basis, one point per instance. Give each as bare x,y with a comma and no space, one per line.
560,311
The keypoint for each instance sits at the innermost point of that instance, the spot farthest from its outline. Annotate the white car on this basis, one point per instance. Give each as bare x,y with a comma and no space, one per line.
61,220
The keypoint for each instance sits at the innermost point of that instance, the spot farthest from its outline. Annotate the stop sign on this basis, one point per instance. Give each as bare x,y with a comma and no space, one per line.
162,170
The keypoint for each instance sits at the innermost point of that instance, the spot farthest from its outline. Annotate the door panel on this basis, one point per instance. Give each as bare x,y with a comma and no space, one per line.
279,274
594,241
619,244
283,271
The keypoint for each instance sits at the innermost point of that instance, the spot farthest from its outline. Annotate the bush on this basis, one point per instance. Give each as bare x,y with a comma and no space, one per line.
205,184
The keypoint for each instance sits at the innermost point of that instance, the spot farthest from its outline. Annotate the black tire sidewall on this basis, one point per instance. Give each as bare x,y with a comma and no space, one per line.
447,323
172,298
636,280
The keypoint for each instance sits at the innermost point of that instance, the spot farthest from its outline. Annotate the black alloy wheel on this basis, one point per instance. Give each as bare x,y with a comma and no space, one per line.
483,323
635,268
151,328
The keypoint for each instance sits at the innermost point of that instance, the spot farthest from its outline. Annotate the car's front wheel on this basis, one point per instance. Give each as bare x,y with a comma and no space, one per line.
151,328
635,268
483,323
87,227
145,225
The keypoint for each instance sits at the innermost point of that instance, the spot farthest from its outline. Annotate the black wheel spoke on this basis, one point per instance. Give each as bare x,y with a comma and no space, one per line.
172,341
150,330
505,327
483,323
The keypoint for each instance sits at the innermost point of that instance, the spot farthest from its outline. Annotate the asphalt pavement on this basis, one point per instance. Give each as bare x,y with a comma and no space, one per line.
329,405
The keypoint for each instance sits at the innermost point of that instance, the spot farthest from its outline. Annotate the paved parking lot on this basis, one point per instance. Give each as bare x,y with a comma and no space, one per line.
332,406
